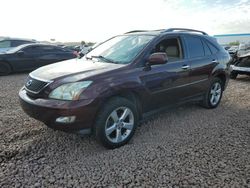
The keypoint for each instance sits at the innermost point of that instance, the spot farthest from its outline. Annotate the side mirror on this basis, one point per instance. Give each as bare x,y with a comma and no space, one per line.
158,58
20,53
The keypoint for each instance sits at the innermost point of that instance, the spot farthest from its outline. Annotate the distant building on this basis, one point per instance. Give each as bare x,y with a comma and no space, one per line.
227,38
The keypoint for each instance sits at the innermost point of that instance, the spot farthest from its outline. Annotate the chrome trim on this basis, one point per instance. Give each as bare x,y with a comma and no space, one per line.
185,67
32,77
236,68
180,86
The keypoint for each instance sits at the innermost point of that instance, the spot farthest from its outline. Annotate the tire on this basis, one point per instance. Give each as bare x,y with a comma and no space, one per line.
111,129
233,75
214,93
5,69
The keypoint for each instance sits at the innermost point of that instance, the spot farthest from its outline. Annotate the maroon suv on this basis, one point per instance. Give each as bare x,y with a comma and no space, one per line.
118,83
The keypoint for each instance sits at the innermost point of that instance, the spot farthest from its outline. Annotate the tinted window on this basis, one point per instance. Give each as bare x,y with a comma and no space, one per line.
46,48
50,49
31,49
212,48
206,49
41,49
58,49
15,43
195,47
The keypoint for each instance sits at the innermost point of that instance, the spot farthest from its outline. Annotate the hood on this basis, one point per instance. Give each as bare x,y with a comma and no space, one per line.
75,69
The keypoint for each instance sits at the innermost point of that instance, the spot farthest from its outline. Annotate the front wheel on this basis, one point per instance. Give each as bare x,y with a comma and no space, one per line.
213,95
116,122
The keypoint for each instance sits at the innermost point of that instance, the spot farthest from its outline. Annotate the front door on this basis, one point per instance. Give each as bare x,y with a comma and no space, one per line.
167,84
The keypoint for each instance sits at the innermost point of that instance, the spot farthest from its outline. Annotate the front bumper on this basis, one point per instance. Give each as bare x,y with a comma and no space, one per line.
48,110
240,70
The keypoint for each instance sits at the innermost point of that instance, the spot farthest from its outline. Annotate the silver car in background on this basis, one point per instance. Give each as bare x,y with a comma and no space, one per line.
241,63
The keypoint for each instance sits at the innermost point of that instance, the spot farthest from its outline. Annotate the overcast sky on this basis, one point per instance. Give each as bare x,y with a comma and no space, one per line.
97,20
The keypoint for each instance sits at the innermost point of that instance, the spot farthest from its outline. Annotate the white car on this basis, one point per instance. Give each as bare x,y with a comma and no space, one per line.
242,65
233,49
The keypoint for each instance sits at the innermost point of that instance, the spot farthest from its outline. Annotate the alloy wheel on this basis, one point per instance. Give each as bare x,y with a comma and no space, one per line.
119,124
215,93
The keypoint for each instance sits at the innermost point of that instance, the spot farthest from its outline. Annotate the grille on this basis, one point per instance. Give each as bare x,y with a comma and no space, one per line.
34,85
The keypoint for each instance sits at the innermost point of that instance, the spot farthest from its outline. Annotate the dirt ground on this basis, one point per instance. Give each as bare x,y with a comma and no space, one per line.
188,146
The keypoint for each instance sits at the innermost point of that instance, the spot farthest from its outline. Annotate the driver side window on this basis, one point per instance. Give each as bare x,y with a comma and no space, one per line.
170,46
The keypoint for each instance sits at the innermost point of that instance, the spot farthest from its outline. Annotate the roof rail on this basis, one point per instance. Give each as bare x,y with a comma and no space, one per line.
184,29
135,31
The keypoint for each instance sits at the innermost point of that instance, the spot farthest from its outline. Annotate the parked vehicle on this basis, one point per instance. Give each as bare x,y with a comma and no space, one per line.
74,48
241,62
84,51
31,56
226,47
7,43
233,50
125,79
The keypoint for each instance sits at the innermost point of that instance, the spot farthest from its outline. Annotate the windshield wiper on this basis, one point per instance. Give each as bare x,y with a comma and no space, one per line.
103,58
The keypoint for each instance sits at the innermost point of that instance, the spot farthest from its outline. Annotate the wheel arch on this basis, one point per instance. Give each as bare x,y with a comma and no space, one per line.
7,62
130,95
222,76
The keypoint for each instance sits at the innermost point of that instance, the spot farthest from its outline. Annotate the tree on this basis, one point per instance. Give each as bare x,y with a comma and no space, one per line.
236,43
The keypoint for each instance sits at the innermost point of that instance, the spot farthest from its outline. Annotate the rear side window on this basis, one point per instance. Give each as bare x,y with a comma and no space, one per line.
16,43
58,49
213,49
195,47
206,49
31,49
47,49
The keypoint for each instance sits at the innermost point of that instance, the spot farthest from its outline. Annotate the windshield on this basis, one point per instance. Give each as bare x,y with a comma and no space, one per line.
120,49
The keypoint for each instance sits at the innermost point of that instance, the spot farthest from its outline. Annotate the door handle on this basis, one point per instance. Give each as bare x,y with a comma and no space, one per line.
185,67
214,61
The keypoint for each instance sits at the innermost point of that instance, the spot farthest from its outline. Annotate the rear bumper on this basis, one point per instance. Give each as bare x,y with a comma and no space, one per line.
48,110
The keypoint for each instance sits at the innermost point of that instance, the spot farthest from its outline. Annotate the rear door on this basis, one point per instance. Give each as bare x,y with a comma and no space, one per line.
45,55
64,54
202,62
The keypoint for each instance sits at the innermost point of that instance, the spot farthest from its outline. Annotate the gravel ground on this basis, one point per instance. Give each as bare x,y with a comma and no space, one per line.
185,147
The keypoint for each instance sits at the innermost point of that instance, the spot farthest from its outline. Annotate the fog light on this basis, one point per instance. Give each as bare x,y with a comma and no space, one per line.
69,119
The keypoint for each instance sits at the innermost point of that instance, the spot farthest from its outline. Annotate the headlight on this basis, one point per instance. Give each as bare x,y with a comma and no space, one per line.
69,91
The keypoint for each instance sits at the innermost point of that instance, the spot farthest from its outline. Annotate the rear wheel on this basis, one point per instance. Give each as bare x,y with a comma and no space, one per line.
116,122
233,75
214,93
5,69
